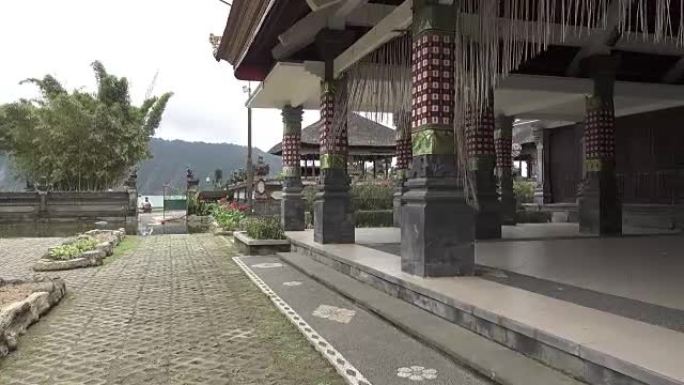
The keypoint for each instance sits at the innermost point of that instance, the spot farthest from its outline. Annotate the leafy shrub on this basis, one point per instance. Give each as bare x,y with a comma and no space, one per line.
374,218
309,194
372,196
523,216
523,191
229,215
198,207
72,250
263,228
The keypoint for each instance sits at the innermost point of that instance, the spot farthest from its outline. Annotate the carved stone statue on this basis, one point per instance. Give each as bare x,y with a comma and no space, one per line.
261,168
191,180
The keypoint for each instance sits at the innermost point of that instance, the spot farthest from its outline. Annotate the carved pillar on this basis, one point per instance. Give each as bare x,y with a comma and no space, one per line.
333,212
402,121
503,140
479,133
542,191
600,206
292,204
437,225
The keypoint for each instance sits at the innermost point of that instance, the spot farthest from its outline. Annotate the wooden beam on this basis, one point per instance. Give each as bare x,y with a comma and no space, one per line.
391,26
303,32
401,17
564,85
317,5
350,12
527,109
602,43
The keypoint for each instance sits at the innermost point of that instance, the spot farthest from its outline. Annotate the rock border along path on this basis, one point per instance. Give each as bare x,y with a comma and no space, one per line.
16,317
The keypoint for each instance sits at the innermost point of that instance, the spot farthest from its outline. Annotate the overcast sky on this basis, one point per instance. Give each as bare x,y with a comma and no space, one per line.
135,38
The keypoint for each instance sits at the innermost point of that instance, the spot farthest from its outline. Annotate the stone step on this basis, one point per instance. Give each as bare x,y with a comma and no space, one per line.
492,360
593,346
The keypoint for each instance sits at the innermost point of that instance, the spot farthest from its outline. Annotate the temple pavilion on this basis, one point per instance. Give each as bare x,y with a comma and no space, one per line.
602,79
600,84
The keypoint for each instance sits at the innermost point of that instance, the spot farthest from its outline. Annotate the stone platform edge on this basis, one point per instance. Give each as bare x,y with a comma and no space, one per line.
591,366
479,354
250,246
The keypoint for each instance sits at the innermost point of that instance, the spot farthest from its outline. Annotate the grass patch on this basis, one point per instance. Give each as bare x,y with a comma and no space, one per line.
129,244
290,358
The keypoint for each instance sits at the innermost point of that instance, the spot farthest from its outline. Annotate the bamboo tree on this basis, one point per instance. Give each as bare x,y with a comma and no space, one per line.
78,140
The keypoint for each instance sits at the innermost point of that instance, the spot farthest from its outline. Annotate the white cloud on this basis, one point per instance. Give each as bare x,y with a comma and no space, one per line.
136,38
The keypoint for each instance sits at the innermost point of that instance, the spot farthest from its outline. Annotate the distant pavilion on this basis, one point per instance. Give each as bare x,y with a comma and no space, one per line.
369,141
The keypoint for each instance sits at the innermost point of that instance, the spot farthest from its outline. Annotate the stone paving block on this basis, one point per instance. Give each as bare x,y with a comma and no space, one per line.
163,314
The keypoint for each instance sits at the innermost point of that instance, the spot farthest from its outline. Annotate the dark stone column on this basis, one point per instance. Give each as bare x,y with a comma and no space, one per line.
437,225
479,133
292,204
600,206
333,213
542,191
503,140
402,121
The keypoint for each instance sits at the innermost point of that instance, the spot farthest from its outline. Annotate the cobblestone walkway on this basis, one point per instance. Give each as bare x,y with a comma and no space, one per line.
176,310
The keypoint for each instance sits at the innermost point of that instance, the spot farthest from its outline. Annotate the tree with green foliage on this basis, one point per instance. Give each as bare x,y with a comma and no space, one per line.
76,141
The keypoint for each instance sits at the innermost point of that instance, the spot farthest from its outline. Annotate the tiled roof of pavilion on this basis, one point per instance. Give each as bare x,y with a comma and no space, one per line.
362,132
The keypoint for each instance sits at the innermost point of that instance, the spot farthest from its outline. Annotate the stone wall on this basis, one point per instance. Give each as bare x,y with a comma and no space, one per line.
39,208
649,159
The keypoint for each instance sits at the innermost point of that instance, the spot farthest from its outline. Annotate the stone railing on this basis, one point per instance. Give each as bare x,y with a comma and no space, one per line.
119,207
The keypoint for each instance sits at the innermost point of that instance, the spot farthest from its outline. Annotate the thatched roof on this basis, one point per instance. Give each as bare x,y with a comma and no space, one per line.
364,134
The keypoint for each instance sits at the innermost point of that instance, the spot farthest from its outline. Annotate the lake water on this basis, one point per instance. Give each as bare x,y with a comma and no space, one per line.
157,201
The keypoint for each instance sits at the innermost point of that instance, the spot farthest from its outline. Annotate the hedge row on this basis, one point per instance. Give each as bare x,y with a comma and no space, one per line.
364,218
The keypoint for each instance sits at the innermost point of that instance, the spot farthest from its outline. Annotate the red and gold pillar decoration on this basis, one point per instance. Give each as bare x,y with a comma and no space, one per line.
599,201
599,135
333,131
479,135
503,143
402,122
437,225
432,75
292,139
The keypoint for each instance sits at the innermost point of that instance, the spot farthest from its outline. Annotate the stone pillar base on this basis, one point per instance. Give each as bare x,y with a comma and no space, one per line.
333,212
488,220
333,218
437,229
488,214
540,196
508,210
292,208
396,206
599,208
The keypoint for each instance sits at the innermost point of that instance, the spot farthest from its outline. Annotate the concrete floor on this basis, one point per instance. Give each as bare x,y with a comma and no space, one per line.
644,268
647,268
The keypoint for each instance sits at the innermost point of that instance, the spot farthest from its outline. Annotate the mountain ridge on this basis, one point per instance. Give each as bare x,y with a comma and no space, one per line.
168,164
